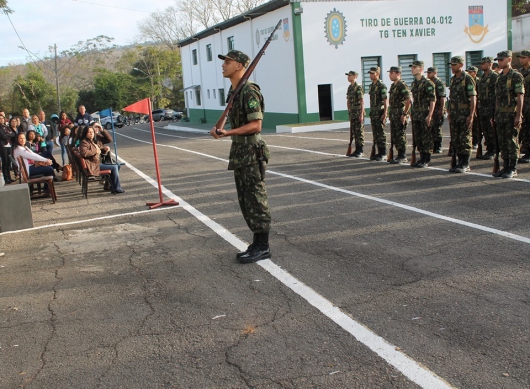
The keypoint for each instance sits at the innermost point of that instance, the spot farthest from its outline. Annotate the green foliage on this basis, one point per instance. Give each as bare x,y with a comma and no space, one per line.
113,89
4,8
35,93
520,7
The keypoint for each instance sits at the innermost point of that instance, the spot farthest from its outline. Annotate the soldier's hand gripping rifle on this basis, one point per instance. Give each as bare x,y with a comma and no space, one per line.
222,120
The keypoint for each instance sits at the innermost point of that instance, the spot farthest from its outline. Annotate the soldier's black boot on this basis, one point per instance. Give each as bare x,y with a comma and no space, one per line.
511,170
463,166
260,250
503,170
420,161
358,152
490,154
401,157
238,255
458,163
424,161
382,154
437,147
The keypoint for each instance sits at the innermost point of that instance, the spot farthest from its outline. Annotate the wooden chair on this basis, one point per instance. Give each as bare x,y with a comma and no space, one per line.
36,180
74,163
104,175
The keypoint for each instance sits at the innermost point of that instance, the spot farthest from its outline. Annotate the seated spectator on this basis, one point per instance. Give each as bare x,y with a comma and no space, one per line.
102,138
7,140
31,159
91,152
31,138
38,127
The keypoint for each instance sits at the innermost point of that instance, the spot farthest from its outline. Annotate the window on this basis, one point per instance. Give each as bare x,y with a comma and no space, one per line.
367,63
214,94
441,60
209,52
230,42
198,96
222,101
404,61
194,56
473,58
208,93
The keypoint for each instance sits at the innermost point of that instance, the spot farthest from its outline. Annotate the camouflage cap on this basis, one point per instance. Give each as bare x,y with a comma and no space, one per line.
486,59
432,69
504,54
375,69
524,53
472,69
495,65
352,73
396,69
421,64
456,60
237,56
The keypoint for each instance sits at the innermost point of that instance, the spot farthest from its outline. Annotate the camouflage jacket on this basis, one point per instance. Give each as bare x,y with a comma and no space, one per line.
422,93
526,76
399,93
461,89
378,95
486,94
507,88
439,88
355,96
248,106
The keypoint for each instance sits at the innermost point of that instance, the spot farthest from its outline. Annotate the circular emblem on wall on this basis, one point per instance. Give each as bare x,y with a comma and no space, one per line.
257,37
335,28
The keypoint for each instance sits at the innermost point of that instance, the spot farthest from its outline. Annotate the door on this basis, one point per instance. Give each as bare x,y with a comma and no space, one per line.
325,108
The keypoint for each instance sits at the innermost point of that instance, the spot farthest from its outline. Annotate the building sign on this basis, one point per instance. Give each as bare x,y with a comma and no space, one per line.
476,30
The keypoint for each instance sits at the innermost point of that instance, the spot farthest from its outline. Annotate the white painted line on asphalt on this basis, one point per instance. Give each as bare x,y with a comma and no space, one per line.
409,367
81,221
495,231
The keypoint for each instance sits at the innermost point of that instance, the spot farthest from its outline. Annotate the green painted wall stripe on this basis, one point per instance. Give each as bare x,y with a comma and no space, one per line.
299,64
509,4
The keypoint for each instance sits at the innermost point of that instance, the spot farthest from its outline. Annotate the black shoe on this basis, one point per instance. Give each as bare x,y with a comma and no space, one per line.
489,155
511,170
250,246
463,166
503,170
257,253
119,191
424,161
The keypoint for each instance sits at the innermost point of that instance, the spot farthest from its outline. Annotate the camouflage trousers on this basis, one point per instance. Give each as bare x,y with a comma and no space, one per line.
422,135
507,135
356,132
378,130
524,134
436,127
487,131
252,197
397,132
461,135
476,133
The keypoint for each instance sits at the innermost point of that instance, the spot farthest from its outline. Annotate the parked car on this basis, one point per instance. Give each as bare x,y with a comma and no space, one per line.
163,114
117,118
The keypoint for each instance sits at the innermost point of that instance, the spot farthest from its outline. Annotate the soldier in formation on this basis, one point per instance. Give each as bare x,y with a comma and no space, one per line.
509,94
439,109
525,126
378,113
398,111
423,102
486,104
355,104
476,135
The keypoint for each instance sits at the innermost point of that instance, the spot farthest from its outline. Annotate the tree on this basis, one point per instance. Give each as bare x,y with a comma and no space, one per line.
113,89
4,8
34,92
520,7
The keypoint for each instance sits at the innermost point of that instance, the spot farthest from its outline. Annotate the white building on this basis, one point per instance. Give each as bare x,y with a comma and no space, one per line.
302,72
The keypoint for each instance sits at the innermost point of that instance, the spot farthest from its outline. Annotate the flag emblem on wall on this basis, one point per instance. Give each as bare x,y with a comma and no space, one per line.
335,28
476,30
286,33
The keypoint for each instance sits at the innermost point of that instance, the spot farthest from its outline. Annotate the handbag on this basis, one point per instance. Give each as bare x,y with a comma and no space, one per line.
39,163
67,173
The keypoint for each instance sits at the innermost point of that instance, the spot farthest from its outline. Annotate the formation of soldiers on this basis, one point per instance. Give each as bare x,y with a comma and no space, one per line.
494,108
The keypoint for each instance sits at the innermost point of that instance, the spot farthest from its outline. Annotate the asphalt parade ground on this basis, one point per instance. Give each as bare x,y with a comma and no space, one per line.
382,276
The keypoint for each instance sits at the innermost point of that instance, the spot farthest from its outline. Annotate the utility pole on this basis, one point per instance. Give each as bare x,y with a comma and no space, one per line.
57,80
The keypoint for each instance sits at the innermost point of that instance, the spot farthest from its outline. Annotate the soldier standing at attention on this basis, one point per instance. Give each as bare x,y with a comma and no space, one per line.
525,127
245,153
476,135
463,96
355,104
495,67
398,111
439,109
423,102
509,94
378,113
486,104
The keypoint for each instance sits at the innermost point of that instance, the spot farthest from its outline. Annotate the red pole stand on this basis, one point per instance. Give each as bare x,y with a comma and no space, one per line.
170,202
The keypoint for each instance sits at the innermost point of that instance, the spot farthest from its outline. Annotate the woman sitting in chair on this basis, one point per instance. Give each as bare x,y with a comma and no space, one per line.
91,152
31,159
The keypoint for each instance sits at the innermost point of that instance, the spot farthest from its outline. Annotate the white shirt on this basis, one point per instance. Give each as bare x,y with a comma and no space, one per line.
27,154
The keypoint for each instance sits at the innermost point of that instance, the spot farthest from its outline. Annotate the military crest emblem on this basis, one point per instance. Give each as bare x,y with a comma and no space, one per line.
335,28
476,30
286,33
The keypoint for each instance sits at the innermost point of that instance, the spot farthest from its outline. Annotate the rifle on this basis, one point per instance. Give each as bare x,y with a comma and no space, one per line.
350,151
479,129
372,154
413,158
496,158
391,152
222,120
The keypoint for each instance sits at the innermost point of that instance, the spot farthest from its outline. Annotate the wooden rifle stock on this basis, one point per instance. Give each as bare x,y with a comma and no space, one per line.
350,151
391,152
222,119
413,157
480,135
372,154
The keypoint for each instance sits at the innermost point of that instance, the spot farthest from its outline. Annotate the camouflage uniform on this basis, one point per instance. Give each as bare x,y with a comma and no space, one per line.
243,159
438,115
476,135
525,127
422,93
486,109
461,90
507,88
378,95
399,93
355,95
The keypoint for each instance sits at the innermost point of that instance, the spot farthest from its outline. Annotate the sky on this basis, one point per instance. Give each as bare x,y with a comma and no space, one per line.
43,23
